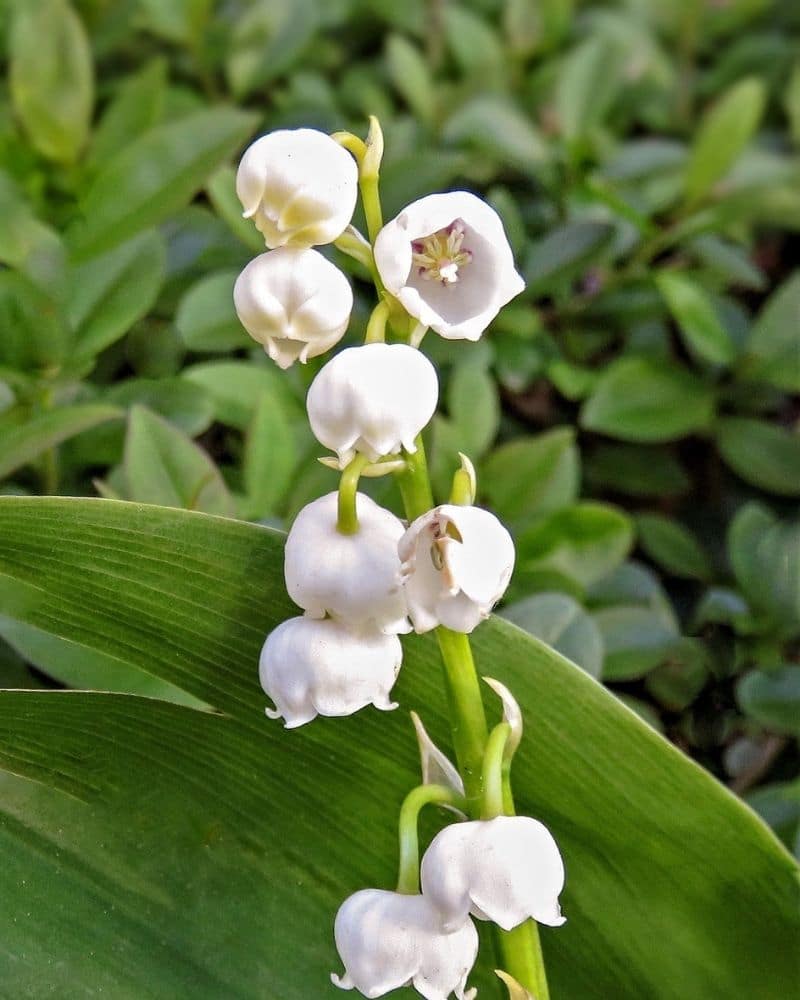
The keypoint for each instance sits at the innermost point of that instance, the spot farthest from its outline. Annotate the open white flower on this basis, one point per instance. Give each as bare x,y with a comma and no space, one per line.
504,870
447,259
373,399
387,940
310,667
352,577
457,562
299,186
294,302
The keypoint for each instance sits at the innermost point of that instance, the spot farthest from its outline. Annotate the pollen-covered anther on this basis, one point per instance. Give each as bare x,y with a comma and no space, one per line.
439,256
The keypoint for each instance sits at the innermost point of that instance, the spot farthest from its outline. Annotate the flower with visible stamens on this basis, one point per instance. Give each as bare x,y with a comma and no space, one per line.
353,577
311,667
388,940
373,399
299,186
505,870
447,259
293,302
457,562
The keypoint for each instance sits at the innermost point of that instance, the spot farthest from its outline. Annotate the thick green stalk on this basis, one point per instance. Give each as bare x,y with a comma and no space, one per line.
520,949
423,795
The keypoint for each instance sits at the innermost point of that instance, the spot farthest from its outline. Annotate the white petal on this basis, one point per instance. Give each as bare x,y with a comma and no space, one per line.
299,185
482,564
313,667
372,399
505,870
353,577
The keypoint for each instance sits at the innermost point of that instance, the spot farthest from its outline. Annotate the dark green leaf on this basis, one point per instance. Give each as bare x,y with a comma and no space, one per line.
564,252
236,387
206,318
474,408
772,697
137,106
637,470
270,456
636,639
762,454
698,322
410,76
672,546
495,126
773,348
221,189
637,399
561,622
588,84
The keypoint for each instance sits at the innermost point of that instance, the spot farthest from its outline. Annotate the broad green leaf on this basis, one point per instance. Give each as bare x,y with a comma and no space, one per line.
564,252
559,621
583,543
638,399
411,76
221,189
637,470
136,107
763,454
724,131
158,173
700,326
51,77
22,444
772,697
138,809
270,456
589,82
176,20
773,352
493,125
25,241
206,318
33,331
473,43
765,555
635,639
110,292
267,39
236,387
672,546
531,475
80,666
474,407
163,465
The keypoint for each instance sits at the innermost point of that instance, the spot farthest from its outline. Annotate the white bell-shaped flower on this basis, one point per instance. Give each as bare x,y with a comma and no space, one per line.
352,577
447,259
457,562
294,302
387,940
373,399
504,870
311,667
299,186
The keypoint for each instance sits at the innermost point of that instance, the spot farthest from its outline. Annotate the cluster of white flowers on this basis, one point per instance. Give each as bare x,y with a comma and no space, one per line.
360,575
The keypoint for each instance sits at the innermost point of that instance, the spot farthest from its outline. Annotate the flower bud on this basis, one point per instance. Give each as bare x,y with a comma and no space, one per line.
299,186
352,577
447,259
310,667
387,940
457,562
373,399
294,302
504,870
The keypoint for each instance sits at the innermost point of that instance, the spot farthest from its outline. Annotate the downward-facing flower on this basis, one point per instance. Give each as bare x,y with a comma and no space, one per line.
352,577
310,667
447,259
294,302
457,562
504,870
299,186
387,940
373,399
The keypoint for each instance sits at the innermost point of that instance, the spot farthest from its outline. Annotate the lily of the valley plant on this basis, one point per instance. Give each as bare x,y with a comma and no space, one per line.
362,577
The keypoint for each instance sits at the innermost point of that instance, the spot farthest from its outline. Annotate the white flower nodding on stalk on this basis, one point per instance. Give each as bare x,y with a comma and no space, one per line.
299,186
352,577
447,259
294,302
311,667
373,399
387,940
505,870
457,562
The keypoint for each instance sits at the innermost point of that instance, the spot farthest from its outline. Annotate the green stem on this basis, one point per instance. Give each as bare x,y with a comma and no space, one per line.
521,956
347,523
415,487
494,800
376,327
408,877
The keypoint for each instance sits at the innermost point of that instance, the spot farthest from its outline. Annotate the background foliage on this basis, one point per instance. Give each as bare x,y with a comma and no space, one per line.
634,415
